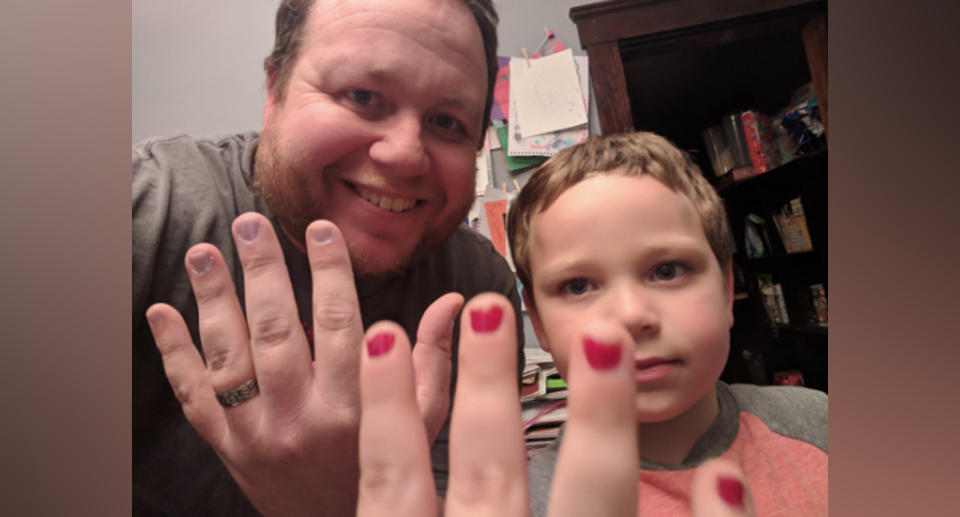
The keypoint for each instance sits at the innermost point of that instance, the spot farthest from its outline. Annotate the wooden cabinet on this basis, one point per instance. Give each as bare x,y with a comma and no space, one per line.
677,67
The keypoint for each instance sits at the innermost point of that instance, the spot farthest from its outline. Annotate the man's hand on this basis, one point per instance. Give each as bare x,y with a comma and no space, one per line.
292,445
597,469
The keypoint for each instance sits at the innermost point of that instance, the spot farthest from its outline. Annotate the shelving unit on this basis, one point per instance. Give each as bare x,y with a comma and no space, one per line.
676,67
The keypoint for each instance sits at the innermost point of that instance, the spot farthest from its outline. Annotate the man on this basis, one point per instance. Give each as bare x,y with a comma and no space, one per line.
373,115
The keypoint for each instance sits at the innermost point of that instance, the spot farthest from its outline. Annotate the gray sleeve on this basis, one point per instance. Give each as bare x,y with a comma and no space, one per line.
540,470
790,411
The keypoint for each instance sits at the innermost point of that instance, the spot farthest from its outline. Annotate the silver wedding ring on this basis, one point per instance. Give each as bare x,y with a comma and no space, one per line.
240,394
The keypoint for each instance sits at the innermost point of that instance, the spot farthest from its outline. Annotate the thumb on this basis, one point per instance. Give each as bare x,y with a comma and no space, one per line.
431,361
720,490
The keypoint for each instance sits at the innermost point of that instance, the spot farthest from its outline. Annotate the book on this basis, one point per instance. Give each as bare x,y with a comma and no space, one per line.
737,144
791,224
761,141
718,150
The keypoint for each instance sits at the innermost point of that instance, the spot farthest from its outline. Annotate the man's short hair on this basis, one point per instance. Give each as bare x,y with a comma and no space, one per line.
290,30
629,154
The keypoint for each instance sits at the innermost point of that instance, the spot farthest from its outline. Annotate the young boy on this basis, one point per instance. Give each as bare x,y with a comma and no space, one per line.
626,229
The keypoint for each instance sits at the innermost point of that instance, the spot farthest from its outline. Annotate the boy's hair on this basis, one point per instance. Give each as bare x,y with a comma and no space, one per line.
629,154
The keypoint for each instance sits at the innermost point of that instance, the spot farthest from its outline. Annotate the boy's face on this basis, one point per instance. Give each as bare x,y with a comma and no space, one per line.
630,251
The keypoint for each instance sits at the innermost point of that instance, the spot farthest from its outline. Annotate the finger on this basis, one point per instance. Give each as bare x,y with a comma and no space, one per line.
720,490
223,331
431,361
395,473
487,459
281,355
337,326
597,466
187,375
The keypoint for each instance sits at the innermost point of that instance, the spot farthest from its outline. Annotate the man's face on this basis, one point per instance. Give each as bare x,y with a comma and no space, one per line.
378,129
629,251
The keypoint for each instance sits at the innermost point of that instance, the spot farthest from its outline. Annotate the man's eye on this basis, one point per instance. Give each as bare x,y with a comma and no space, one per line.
447,124
669,271
362,97
576,286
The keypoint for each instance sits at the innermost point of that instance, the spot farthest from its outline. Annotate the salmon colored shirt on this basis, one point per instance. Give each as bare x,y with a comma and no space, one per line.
777,435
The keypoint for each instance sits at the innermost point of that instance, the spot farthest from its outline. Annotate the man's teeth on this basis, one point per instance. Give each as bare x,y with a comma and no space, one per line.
387,203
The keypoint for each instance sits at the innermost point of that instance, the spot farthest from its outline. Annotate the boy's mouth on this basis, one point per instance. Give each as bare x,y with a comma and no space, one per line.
653,369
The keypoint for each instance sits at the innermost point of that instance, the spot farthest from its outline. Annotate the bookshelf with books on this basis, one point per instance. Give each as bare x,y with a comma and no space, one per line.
736,83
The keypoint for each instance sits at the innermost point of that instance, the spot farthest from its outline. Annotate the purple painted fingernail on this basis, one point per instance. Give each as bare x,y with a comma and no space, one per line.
200,262
248,229
321,234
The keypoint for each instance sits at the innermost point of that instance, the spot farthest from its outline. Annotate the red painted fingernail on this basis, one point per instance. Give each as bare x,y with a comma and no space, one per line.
731,491
486,321
379,344
601,356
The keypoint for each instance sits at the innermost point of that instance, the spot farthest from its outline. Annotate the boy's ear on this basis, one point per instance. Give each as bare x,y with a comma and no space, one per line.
535,319
728,290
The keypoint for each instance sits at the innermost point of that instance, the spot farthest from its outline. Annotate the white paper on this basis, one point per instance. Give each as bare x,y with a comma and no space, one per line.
547,93
548,144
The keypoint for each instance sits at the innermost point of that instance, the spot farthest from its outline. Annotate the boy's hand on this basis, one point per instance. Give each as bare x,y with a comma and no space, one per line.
597,471
289,439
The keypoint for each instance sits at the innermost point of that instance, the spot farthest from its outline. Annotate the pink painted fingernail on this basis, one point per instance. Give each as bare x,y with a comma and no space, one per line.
601,356
380,344
200,262
486,321
731,491
248,229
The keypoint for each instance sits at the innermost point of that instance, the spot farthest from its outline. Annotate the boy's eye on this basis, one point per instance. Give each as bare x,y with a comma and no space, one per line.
576,286
669,271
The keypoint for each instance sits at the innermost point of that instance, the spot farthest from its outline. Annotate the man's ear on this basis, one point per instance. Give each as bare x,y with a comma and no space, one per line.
535,319
728,290
270,103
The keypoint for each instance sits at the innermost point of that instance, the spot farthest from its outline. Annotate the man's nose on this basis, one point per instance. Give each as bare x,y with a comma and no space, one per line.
400,146
636,310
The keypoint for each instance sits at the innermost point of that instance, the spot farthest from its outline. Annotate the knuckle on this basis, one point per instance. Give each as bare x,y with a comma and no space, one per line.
208,291
271,330
383,477
334,315
481,483
256,265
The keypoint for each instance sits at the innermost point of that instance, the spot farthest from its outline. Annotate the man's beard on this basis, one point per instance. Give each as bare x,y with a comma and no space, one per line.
286,192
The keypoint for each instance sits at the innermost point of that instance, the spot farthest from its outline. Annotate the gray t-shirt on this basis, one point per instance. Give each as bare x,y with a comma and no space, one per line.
188,190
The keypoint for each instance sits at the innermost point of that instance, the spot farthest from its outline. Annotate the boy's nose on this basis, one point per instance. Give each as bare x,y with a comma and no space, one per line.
400,149
636,311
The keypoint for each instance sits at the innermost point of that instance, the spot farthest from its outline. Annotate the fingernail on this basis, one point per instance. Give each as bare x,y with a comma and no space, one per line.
379,344
486,321
601,356
321,234
248,229
200,262
731,491
155,321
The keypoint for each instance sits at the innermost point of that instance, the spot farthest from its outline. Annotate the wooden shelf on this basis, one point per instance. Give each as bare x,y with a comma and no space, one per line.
806,164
